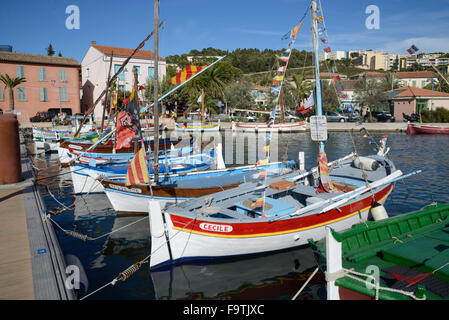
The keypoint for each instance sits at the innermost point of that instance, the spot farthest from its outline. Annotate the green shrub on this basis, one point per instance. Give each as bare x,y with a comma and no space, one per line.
440,115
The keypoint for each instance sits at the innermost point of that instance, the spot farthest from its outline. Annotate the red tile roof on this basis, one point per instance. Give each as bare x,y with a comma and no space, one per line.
415,74
414,92
125,52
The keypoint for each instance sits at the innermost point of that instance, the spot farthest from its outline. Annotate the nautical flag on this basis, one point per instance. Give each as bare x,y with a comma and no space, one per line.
282,69
276,100
325,180
320,19
276,89
292,33
138,170
324,40
125,130
286,52
310,101
332,67
262,162
186,74
285,59
321,31
200,99
328,49
278,78
340,89
336,79
268,138
266,149
263,174
412,49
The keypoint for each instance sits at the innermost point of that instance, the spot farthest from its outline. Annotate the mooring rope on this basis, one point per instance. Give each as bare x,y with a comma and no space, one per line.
306,283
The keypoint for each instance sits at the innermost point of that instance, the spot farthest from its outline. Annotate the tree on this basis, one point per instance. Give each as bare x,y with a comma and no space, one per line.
370,93
11,83
302,89
390,82
50,51
329,95
239,95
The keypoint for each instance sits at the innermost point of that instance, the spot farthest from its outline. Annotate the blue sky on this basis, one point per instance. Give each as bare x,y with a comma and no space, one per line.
29,26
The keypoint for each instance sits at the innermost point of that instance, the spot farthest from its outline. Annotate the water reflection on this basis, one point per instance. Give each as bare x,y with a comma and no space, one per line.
273,276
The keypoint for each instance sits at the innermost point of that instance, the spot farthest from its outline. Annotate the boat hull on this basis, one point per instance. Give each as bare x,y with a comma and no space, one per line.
208,239
426,129
262,127
197,128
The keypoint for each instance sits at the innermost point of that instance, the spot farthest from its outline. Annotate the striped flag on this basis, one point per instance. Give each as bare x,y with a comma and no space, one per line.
137,170
292,33
186,74
266,149
262,162
320,19
285,59
259,203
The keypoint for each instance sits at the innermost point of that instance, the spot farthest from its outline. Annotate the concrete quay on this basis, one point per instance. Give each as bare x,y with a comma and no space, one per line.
32,265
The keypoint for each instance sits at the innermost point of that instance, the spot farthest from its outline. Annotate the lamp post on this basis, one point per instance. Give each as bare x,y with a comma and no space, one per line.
53,81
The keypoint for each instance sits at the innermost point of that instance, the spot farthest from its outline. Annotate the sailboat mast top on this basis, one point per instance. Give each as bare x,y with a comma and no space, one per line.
319,103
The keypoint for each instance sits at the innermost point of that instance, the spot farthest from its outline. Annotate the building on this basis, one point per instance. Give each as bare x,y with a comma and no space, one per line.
370,59
51,82
334,55
410,100
95,70
378,76
326,76
394,61
261,94
347,98
426,60
418,79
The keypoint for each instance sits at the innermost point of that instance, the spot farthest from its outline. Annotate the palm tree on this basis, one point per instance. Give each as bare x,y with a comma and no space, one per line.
302,90
11,84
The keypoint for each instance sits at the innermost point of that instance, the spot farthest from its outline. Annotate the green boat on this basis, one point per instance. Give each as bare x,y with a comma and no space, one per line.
404,257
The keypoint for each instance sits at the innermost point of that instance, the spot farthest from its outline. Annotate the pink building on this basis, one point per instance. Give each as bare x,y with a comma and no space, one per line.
410,100
51,83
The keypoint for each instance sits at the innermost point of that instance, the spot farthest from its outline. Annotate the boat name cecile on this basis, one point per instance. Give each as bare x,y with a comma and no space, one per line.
216,227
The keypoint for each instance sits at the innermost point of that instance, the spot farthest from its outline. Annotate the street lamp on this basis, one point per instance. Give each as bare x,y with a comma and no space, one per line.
53,81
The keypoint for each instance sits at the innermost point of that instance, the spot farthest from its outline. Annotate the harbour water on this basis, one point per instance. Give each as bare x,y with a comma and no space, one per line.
271,276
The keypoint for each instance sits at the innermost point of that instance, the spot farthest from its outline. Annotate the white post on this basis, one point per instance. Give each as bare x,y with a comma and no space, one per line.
159,246
301,160
333,263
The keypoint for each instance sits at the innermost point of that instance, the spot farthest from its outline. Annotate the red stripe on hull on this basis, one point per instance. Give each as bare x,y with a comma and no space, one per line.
280,226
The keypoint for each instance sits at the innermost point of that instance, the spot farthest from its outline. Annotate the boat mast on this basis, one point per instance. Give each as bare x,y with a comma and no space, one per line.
319,103
156,98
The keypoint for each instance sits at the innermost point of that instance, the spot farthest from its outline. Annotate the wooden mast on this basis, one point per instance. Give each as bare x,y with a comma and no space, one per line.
156,98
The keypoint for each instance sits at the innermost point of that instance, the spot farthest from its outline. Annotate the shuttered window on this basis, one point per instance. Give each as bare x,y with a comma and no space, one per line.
62,75
150,73
63,94
121,75
20,72
43,94
21,94
42,74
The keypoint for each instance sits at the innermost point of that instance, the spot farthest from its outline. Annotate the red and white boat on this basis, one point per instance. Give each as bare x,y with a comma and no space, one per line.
414,128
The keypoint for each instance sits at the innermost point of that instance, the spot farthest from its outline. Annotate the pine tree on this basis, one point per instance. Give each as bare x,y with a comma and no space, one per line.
50,51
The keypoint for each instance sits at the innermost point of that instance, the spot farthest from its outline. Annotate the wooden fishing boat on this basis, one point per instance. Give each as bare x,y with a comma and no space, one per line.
197,127
281,212
263,127
400,258
69,150
86,178
176,188
414,128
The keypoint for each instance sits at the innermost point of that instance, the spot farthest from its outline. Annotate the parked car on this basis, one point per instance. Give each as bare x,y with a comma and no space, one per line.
250,118
354,116
42,116
333,116
381,116
290,117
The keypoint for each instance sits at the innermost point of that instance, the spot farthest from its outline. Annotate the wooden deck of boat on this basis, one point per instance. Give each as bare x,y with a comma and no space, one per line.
31,262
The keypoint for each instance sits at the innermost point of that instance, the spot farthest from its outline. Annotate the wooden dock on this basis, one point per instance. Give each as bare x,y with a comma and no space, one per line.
32,265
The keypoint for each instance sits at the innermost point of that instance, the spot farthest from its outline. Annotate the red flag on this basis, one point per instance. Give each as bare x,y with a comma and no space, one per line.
186,73
125,130
328,49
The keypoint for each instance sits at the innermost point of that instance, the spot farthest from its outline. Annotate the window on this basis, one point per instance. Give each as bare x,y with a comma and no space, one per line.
150,73
121,76
21,94
43,94
20,72
42,74
87,72
62,75
138,69
63,94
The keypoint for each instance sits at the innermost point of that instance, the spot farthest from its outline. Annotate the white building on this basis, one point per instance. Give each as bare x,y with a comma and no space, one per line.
95,69
335,55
